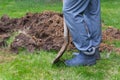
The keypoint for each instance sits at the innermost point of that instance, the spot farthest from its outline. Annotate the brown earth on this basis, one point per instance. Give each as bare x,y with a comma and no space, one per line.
44,31
109,36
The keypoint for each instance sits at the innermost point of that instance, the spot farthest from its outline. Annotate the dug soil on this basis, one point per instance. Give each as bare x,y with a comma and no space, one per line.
43,31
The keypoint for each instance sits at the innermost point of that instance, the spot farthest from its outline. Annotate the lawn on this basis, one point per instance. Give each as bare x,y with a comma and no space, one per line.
37,66
18,8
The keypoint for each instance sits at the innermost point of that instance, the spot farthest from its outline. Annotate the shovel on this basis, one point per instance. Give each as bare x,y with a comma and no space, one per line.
64,46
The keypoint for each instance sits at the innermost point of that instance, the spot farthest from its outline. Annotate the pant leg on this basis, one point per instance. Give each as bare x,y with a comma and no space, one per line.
77,20
92,17
73,11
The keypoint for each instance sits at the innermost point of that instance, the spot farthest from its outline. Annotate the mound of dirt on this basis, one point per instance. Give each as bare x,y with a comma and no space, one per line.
111,34
44,31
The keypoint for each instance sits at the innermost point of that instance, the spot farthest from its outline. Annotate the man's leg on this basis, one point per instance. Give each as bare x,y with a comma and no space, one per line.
93,20
80,26
73,11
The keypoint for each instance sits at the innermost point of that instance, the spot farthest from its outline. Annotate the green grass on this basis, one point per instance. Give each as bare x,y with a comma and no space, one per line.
37,66
110,12
18,8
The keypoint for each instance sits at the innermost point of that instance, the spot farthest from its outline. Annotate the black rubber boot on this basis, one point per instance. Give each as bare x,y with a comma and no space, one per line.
97,54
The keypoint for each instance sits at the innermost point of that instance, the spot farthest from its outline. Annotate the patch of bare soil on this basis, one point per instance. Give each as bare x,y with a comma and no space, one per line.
5,55
109,36
44,31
